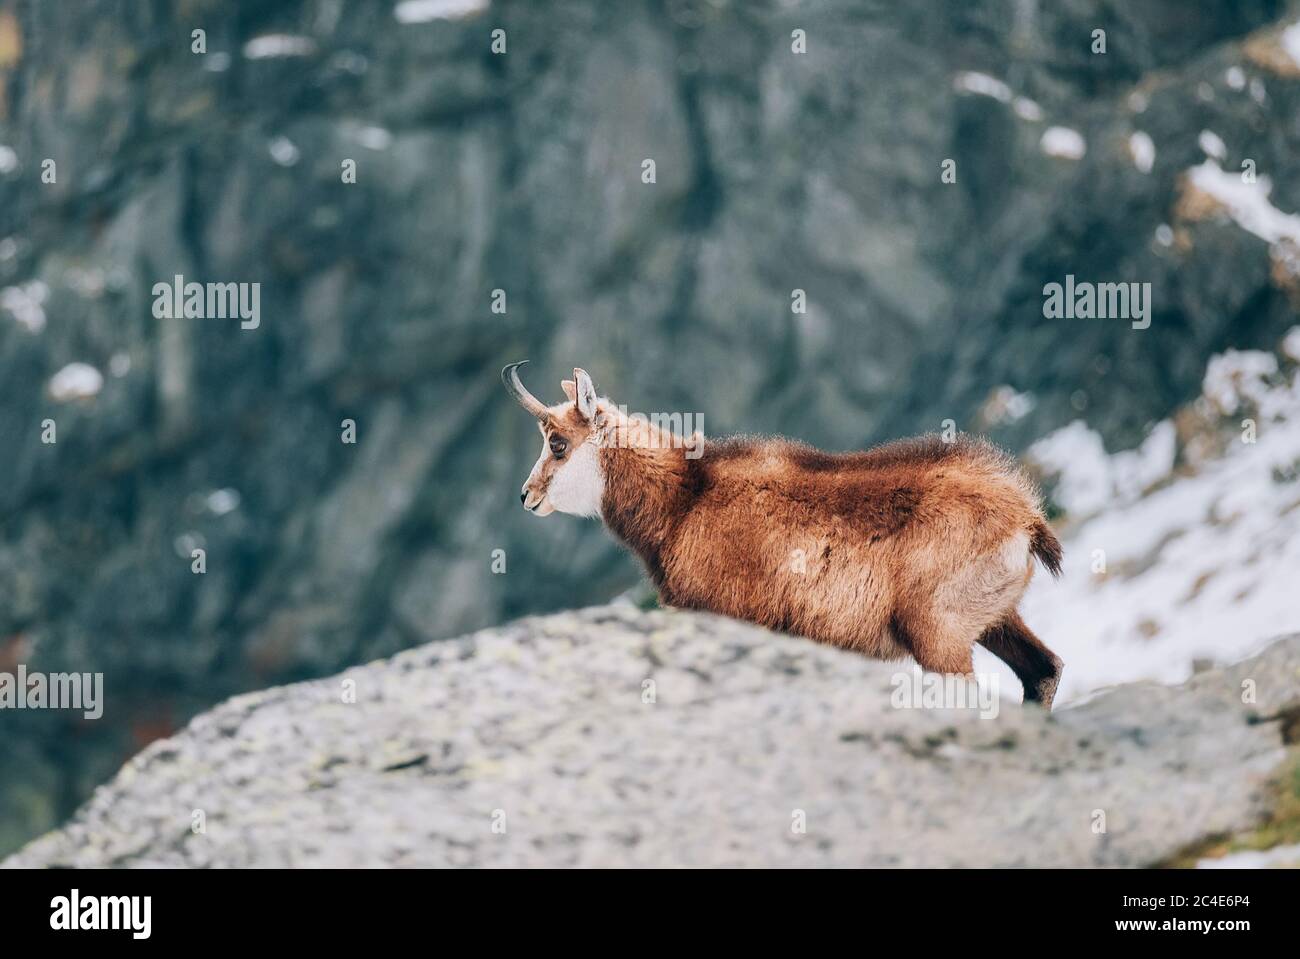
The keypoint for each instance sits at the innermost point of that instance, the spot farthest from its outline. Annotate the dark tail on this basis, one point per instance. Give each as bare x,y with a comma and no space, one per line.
1044,544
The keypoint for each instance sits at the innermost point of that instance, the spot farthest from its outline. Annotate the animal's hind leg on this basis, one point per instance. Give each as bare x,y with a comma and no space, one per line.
935,645
941,624
1036,666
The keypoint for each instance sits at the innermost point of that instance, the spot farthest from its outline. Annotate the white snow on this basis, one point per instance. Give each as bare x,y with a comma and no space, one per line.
1247,203
1235,77
1132,471
279,45
422,11
1290,42
981,84
222,501
8,159
86,281
1212,144
1006,404
1089,477
1027,109
1143,149
186,543
1063,142
25,304
1165,568
1078,456
76,381
1288,856
1291,344
1238,376
374,138
283,151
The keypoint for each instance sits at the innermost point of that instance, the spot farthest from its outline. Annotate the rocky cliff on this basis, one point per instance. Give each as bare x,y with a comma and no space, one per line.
520,170
615,737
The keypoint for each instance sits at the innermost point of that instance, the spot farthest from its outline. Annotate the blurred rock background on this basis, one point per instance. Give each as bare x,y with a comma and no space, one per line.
775,171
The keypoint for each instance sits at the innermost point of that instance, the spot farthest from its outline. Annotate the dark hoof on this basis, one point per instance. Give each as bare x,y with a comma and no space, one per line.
1044,691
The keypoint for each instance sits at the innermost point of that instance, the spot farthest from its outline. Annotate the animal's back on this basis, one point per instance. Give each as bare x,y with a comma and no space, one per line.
880,492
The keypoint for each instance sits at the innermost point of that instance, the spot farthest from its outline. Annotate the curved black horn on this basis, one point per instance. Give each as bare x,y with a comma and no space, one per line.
515,387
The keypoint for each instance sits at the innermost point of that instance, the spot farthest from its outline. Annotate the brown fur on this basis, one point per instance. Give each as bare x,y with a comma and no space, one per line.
919,547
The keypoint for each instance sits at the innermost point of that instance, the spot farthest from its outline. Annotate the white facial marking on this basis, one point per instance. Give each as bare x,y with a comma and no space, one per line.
577,484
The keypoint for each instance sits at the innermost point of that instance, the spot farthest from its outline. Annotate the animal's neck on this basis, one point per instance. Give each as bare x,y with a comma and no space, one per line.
645,493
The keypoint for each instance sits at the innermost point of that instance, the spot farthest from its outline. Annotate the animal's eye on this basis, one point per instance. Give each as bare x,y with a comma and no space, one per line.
558,446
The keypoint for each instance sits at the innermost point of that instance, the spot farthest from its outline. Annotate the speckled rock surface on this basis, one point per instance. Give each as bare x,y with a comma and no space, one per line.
533,744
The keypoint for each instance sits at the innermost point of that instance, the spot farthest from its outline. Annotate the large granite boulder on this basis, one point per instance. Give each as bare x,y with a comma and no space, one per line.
616,737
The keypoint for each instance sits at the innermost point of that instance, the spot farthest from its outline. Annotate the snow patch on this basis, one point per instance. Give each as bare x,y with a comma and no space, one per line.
26,304
1247,203
222,501
1237,378
76,381
1290,42
1063,142
284,151
1143,149
1291,344
1007,405
422,11
1211,144
1027,109
1173,569
272,45
1288,856
374,138
1088,478
982,84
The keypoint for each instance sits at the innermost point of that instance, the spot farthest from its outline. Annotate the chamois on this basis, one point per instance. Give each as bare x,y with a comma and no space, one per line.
919,546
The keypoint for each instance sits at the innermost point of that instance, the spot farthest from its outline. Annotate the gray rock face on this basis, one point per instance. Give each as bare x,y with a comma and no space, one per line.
534,744
521,172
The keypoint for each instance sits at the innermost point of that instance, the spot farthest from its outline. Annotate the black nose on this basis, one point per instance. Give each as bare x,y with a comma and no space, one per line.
522,497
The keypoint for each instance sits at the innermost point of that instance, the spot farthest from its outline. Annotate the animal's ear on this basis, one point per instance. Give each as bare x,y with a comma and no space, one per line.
570,390
586,390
